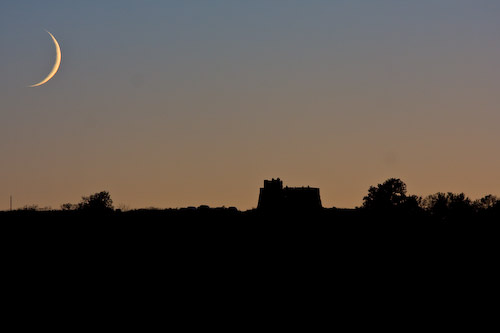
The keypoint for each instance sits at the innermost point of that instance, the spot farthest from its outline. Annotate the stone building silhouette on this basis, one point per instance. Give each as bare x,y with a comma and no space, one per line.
273,196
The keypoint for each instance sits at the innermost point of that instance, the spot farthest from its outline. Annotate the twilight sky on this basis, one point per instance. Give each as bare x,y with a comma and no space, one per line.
181,103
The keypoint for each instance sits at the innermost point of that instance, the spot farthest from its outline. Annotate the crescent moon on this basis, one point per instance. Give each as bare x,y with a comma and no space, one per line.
56,64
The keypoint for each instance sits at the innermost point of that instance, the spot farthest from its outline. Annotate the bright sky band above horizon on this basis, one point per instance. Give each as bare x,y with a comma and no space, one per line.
182,103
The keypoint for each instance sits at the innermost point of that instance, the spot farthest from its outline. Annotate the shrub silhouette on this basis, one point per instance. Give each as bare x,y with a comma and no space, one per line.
29,208
97,202
69,206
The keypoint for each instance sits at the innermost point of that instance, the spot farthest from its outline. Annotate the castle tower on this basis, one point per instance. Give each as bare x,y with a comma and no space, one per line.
274,197
271,196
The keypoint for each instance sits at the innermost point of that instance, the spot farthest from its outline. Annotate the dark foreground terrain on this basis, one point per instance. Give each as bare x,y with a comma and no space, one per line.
355,229
331,216
255,263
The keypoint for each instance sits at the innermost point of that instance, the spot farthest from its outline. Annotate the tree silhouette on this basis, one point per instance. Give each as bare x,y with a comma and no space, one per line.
390,201
98,202
448,206
487,202
390,194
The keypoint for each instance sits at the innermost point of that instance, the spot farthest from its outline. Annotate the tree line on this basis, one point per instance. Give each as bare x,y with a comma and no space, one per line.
391,198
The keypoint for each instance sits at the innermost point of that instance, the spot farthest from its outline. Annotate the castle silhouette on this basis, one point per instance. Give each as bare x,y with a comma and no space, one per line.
273,196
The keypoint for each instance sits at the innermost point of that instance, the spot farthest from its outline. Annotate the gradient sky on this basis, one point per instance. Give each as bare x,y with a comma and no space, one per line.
180,103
